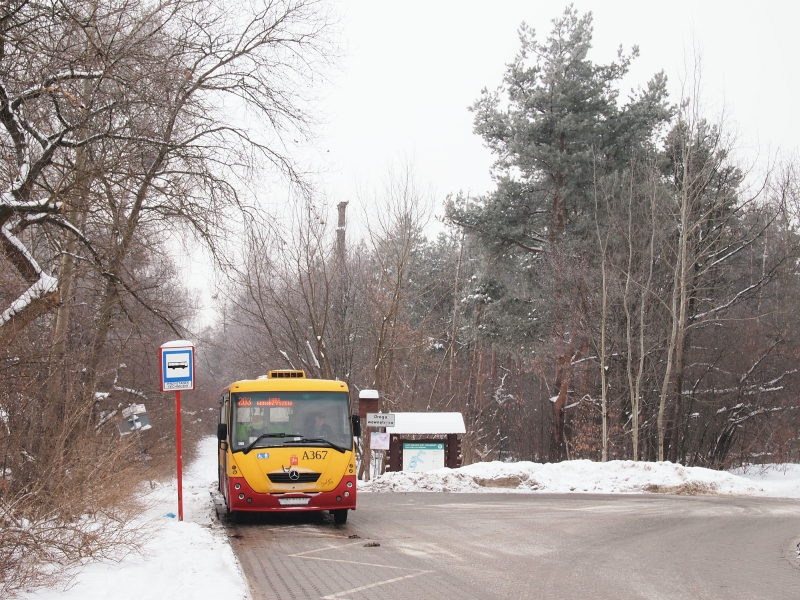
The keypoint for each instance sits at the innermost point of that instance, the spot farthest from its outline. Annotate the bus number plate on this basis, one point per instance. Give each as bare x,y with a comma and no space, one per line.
293,501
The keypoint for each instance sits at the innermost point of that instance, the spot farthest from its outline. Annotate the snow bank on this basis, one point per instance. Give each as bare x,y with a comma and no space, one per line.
585,476
187,559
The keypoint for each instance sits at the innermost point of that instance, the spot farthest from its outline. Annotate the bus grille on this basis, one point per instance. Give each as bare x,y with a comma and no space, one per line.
284,478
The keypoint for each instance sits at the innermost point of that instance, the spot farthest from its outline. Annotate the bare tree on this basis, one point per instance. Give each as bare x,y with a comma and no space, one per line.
287,290
119,138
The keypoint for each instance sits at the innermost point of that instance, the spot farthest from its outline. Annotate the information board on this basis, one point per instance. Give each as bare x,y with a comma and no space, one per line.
423,457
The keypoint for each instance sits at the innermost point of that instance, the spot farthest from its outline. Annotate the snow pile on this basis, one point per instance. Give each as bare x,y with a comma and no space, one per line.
583,476
187,559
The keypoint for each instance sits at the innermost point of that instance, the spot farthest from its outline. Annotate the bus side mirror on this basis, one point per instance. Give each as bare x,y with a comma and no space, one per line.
222,432
356,425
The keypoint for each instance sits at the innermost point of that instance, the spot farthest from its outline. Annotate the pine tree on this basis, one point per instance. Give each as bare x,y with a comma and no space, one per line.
552,125
556,126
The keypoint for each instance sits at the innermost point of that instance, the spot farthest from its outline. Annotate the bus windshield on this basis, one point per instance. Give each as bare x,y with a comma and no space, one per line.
312,415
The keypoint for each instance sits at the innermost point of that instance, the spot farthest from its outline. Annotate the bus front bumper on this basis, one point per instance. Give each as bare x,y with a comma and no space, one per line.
245,499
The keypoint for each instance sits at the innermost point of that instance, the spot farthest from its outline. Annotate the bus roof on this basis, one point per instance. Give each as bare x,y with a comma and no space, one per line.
287,385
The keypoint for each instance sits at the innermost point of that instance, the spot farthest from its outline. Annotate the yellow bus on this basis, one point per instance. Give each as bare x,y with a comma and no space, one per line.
286,443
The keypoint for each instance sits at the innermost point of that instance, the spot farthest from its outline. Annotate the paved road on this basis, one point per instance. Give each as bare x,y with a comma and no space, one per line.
449,546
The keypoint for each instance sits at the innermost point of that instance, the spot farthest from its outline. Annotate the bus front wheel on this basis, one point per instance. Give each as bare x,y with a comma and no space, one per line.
339,516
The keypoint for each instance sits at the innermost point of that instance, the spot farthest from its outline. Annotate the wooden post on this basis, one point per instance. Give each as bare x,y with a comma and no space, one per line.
394,461
453,453
366,405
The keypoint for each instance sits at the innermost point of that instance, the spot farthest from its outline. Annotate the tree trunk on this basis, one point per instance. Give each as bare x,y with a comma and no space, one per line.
455,317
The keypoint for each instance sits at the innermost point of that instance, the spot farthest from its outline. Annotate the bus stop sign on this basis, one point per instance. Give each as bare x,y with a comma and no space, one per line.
177,366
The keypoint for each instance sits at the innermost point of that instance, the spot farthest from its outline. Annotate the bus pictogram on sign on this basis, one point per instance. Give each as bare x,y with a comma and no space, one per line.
177,366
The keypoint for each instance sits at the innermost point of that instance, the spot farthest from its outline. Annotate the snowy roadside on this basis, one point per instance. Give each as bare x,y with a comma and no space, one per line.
193,560
189,560
780,481
584,476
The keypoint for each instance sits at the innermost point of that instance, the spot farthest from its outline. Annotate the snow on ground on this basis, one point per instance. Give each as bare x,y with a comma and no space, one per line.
193,560
782,481
584,476
189,559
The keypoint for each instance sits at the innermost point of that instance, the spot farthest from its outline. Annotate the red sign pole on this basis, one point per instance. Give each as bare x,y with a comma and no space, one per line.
176,366
179,452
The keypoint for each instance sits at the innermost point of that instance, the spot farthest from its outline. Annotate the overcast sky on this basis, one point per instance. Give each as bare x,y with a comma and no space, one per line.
410,70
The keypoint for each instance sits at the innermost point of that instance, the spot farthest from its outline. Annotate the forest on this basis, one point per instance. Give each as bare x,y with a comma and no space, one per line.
624,293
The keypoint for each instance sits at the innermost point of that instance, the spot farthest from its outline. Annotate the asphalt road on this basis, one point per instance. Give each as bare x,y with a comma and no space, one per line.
528,546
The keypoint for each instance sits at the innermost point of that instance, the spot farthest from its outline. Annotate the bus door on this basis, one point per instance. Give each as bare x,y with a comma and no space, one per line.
222,462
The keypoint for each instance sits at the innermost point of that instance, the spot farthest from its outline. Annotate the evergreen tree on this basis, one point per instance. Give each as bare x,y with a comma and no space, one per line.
556,127
553,124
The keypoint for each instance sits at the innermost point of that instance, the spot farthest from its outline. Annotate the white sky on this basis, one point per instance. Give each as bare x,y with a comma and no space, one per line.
412,68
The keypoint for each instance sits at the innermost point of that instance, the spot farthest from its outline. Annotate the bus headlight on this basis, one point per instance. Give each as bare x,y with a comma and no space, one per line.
237,486
347,494
350,484
241,496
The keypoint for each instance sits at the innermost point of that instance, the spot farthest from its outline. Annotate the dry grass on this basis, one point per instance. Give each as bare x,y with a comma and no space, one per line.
693,488
511,482
67,489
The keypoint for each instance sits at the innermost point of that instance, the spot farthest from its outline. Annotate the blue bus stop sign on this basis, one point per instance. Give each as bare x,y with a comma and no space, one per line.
177,366
176,363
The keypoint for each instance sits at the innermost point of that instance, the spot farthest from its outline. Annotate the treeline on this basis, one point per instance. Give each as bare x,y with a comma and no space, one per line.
626,292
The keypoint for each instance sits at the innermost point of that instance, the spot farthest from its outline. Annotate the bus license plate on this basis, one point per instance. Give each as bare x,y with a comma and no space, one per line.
293,501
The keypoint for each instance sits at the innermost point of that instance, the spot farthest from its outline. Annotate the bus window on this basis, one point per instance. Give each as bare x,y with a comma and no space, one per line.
290,414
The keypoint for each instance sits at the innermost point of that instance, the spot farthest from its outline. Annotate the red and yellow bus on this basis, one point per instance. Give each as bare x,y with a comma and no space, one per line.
286,443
